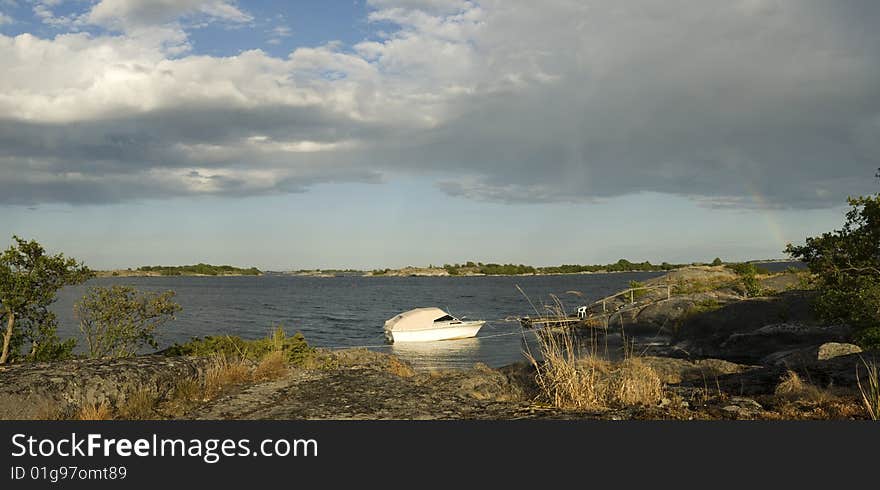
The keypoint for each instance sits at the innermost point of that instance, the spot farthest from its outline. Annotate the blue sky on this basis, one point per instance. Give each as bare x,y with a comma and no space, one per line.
385,133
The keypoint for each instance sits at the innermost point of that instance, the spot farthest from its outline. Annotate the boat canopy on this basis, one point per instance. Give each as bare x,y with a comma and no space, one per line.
417,319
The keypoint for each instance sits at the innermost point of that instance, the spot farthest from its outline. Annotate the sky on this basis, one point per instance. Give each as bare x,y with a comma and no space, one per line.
385,133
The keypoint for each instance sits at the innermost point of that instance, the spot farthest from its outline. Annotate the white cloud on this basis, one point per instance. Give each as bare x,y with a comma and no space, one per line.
277,33
128,14
5,19
738,103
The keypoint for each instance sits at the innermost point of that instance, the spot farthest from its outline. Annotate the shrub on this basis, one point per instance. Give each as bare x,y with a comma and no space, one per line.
118,320
640,293
295,349
846,268
748,278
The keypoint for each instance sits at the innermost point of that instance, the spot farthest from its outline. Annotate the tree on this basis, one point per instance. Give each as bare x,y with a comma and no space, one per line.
717,261
116,321
29,281
846,265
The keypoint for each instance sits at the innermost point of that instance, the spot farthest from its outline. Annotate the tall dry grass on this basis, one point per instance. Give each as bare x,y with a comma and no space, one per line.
273,365
634,383
95,411
138,405
871,391
225,371
791,386
575,378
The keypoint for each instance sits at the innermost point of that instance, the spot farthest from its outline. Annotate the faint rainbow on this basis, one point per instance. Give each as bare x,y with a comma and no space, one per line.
765,209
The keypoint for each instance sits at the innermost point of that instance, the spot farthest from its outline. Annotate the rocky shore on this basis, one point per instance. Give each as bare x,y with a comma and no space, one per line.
717,353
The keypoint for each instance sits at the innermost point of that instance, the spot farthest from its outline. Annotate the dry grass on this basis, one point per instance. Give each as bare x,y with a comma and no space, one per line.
635,383
222,373
792,387
92,411
138,405
272,366
188,390
840,409
569,380
399,368
225,371
565,380
871,390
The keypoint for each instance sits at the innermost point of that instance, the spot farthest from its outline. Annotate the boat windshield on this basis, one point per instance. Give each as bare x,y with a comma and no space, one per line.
445,318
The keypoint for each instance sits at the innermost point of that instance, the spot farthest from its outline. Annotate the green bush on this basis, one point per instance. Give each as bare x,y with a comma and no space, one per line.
295,348
743,268
638,293
846,268
747,273
116,321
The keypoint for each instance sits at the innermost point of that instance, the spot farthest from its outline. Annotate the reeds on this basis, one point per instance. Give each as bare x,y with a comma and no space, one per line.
225,371
94,411
871,391
571,379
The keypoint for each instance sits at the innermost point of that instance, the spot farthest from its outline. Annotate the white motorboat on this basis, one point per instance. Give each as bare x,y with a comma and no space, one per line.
429,324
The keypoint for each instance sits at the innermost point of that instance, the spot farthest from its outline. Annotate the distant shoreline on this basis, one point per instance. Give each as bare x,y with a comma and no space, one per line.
401,272
134,273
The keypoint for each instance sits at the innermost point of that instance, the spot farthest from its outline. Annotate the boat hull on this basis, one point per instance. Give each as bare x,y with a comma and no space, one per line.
464,330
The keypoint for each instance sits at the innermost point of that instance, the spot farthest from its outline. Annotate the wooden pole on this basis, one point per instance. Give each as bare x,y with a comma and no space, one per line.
632,296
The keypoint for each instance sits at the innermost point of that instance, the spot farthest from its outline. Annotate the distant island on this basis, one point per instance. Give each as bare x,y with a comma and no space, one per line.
200,269
471,268
468,268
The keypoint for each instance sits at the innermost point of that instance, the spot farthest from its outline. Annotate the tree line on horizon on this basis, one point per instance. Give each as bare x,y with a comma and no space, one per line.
622,265
200,268
489,269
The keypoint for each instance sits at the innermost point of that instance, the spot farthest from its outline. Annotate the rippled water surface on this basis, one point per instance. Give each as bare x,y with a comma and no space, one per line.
350,311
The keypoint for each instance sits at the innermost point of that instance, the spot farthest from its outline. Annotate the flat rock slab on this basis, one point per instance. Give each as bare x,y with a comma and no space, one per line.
841,372
367,393
33,390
